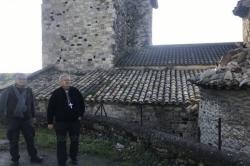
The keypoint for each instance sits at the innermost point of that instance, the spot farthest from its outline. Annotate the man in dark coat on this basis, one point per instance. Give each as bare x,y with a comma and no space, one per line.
66,108
17,104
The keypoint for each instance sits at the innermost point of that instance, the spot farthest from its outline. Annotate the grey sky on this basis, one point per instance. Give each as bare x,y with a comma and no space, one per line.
196,21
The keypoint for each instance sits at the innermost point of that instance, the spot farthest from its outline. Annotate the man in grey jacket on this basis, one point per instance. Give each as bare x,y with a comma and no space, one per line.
17,103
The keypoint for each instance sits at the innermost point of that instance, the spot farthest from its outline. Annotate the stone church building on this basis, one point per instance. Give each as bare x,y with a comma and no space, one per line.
106,47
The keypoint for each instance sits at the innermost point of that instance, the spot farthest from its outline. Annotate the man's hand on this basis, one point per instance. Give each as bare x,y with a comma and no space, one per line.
50,126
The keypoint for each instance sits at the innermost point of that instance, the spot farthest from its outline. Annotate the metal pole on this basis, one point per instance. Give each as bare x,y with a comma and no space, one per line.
101,109
105,113
199,134
219,134
97,109
141,115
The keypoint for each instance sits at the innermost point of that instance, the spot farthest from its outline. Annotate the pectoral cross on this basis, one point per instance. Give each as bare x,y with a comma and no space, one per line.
71,105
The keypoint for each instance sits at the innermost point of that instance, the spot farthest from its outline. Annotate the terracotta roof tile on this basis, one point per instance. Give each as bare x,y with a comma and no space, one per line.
128,86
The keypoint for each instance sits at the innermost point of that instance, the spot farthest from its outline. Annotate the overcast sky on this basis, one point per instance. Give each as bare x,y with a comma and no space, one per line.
175,22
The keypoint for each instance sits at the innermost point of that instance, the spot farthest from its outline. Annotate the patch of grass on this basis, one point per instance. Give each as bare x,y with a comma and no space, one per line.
97,146
87,144
138,155
46,138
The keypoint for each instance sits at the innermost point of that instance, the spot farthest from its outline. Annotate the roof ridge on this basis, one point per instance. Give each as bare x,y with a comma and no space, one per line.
193,44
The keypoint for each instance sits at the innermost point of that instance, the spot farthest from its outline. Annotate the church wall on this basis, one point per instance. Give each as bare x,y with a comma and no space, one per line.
171,119
78,34
81,35
120,28
139,20
133,25
233,107
246,30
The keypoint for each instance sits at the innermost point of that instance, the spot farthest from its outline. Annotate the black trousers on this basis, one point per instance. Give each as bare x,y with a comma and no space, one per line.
16,125
62,129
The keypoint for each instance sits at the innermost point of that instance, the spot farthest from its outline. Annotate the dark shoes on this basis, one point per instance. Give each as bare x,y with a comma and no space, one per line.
74,162
37,160
15,163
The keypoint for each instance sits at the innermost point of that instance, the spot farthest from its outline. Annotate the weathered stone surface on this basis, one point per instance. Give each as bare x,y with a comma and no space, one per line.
233,107
171,119
233,71
90,34
183,151
242,8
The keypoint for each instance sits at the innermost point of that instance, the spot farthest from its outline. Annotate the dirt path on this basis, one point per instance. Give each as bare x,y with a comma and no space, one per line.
50,159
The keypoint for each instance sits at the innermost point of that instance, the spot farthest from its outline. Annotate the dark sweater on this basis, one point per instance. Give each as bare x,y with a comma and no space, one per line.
59,108
9,101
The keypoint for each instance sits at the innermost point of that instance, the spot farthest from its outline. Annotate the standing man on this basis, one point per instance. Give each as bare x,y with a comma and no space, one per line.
66,107
17,103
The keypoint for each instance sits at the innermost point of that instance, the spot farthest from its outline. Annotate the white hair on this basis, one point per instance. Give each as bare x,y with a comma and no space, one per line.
64,77
19,76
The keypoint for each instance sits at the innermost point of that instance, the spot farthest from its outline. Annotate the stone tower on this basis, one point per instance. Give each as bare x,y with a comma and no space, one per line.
88,34
242,10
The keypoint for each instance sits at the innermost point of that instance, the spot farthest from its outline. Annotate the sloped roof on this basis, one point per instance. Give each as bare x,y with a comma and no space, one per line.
127,86
164,86
172,55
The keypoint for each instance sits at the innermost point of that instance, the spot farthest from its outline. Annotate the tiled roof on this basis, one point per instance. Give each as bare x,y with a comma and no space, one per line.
127,86
172,55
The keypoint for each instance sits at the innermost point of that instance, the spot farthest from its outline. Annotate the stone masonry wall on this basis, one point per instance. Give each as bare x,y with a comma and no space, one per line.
170,119
246,30
78,33
233,107
120,28
177,151
90,34
139,22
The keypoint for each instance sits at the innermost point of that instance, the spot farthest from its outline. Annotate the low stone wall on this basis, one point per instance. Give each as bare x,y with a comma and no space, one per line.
233,107
171,119
174,120
184,152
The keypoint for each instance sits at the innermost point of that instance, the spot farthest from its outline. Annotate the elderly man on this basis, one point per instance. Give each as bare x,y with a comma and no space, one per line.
66,107
18,104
